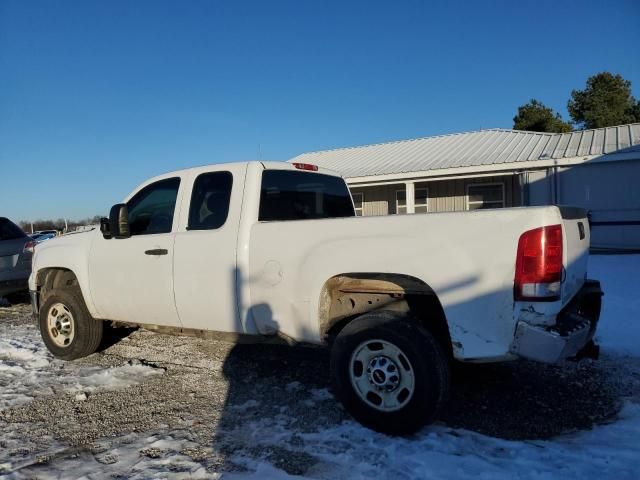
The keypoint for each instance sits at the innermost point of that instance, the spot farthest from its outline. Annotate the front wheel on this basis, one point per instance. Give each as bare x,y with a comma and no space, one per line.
390,373
67,328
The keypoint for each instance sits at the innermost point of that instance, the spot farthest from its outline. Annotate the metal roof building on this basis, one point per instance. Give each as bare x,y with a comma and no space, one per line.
598,169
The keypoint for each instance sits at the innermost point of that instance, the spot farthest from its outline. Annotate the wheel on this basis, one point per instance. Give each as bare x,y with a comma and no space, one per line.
67,328
390,373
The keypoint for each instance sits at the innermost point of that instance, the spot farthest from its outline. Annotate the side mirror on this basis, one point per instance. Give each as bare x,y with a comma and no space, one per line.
119,221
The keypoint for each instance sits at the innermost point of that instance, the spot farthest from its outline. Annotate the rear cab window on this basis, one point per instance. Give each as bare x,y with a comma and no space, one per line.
292,195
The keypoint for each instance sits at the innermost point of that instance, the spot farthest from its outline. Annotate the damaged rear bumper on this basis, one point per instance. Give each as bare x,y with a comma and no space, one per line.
572,333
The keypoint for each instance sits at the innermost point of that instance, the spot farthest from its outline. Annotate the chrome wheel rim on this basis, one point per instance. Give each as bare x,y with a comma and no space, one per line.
60,324
382,375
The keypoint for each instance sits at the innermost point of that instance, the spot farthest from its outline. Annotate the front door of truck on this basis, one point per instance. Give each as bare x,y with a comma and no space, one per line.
205,272
131,279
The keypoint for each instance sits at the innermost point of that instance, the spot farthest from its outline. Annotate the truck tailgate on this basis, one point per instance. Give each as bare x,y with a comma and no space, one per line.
575,226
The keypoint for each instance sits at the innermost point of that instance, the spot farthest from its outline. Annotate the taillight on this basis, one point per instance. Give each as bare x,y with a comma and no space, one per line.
539,264
29,247
306,166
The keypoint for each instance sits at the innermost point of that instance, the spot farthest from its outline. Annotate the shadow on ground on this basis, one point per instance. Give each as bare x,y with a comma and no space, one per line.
515,400
528,400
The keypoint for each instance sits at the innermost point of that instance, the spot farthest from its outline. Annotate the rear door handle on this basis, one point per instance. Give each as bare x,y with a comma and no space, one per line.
156,251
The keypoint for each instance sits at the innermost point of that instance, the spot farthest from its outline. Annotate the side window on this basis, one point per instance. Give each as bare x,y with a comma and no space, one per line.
421,200
490,195
210,201
151,209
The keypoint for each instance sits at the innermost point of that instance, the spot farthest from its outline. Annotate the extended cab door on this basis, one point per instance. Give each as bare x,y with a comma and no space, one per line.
131,279
205,270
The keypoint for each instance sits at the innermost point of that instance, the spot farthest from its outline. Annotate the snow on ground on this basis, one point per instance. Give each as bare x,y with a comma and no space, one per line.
619,327
444,453
347,449
27,370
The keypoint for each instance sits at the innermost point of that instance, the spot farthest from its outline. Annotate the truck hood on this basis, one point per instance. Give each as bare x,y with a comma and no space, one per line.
53,252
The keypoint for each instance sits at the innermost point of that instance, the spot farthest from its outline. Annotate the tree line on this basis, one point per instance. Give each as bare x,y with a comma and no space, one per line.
605,101
60,224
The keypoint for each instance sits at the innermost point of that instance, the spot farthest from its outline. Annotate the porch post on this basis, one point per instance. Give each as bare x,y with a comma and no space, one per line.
410,193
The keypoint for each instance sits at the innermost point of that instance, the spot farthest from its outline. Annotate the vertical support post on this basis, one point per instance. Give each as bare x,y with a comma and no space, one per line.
410,193
523,185
554,192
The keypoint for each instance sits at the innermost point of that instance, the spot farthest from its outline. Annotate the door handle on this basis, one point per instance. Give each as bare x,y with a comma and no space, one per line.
156,251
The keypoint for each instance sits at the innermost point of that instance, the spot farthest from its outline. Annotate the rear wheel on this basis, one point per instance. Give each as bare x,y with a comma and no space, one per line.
67,328
390,373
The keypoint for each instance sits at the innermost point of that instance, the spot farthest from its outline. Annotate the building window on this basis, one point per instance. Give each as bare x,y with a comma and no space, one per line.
485,195
422,200
401,202
358,201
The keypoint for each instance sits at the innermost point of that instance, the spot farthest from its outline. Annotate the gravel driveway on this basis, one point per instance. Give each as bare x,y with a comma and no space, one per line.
220,397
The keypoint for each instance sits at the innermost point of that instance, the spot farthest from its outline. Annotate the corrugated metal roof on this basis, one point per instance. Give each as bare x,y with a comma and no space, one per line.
498,147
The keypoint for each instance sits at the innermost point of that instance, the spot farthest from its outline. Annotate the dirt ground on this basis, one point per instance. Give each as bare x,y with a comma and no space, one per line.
214,393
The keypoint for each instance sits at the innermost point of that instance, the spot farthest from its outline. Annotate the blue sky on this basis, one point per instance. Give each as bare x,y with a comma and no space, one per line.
95,96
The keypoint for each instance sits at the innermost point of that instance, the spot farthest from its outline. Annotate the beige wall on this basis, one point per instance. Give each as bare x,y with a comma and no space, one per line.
444,195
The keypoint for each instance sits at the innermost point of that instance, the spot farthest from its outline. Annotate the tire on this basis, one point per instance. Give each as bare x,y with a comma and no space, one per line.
388,356
67,328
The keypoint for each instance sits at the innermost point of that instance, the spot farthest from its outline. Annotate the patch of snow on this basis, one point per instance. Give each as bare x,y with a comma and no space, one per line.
135,457
320,394
245,406
350,450
27,369
619,326
260,471
91,378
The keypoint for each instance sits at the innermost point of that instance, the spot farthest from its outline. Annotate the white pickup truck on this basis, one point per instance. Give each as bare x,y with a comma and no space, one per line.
273,250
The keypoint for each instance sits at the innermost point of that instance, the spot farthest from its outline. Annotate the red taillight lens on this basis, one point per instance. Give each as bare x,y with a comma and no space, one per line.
306,166
29,247
539,264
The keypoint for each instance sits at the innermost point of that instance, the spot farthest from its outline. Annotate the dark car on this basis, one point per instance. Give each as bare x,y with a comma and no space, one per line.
16,249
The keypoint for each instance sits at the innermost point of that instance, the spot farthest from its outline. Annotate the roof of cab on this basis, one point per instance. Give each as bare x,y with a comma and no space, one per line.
268,165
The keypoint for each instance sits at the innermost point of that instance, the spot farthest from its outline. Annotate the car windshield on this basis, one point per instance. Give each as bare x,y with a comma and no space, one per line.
9,230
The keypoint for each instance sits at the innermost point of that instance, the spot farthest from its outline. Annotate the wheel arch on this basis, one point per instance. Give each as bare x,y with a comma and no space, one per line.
50,278
346,296
54,277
